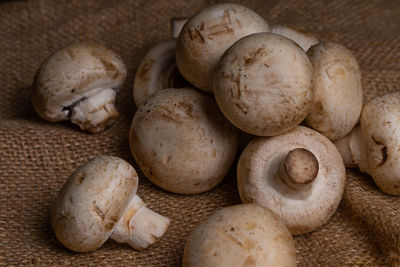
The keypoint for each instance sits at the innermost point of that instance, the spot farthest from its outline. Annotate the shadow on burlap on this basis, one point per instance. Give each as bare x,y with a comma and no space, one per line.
36,157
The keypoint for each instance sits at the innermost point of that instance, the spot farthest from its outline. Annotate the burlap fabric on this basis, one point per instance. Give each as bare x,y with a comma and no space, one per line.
36,157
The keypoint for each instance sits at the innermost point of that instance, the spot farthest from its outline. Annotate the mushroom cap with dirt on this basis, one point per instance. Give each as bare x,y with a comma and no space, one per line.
299,176
99,201
79,83
374,145
207,35
303,39
182,142
263,84
338,90
241,235
157,71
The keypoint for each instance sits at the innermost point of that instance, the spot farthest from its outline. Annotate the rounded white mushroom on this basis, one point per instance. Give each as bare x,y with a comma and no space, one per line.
99,201
182,142
263,84
338,90
208,34
241,235
79,83
298,175
303,39
374,146
157,71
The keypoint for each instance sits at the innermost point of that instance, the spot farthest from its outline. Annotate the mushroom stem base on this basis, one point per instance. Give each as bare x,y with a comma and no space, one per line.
96,112
140,227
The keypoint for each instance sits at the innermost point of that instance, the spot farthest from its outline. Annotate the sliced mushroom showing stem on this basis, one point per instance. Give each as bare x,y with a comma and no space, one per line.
79,83
299,176
338,90
241,235
303,39
374,145
99,201
157,71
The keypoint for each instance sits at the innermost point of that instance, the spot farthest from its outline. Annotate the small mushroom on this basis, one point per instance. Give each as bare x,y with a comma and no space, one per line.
298,175
79,83
182,142
338,90
241,235
374,145
263,84
99,201
303,39
157,71
207,35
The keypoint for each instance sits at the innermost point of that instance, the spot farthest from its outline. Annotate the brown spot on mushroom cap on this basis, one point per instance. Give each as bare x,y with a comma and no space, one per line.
301,166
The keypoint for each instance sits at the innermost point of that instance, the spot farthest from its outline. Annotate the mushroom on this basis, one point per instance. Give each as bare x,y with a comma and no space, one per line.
241,235
338,90
79,83
303,39
157,71
176,26
374,145
99,201
263,84
298,175
207,35
182,142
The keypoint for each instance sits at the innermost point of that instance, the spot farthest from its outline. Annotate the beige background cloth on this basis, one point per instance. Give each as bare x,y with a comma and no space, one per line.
36,156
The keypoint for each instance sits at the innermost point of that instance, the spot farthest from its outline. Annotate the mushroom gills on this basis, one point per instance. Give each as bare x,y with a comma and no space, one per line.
140,227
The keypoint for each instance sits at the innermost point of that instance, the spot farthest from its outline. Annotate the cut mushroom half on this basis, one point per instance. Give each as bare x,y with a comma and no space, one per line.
157,71
374,145
303,39
299,176
79,83
99,201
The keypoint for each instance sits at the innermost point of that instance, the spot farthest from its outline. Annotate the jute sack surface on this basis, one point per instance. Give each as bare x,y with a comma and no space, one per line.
36,157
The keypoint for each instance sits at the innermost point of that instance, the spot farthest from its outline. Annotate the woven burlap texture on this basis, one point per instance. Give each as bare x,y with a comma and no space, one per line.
36,156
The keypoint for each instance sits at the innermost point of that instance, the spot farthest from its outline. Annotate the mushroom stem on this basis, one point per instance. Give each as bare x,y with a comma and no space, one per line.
299,169
140,227
350,147
96,112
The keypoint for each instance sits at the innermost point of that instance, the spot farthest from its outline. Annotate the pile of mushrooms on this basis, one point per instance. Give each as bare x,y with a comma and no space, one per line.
224,78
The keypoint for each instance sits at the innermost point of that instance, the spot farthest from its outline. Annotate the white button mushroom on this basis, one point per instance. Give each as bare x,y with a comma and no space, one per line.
298,175
338,90
99,201
208,34
157,71
79,83
241,235
374,146
182,142
303,39
263,84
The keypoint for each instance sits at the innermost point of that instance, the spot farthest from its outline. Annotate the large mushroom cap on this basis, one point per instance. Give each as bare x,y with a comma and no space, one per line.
207,35
263,84
338,90
81,73
92,201
380,129
242,235
181,141
300,199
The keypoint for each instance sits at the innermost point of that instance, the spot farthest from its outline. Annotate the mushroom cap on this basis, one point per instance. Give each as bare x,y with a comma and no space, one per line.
208,34
338,90
303,39
241,235
157,71
380,127
72,74
182,142
302,211
263,84
92,201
